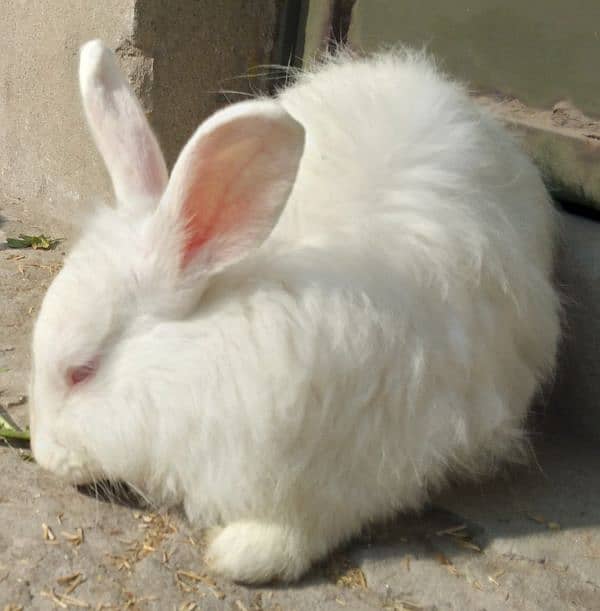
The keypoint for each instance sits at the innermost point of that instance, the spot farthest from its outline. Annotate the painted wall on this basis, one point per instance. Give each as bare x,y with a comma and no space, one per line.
540,51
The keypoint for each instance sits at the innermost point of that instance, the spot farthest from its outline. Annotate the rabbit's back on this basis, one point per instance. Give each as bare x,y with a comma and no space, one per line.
399,159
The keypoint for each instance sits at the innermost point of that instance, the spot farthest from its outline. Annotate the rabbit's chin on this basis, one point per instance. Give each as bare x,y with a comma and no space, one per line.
73,466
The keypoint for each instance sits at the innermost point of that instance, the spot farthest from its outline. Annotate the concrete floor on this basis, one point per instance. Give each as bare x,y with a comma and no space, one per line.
527,540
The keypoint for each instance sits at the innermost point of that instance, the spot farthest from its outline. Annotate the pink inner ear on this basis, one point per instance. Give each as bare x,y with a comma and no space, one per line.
219,203
231,183
201,229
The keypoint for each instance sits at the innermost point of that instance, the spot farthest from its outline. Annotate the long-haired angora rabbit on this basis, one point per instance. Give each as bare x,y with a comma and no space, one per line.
340,296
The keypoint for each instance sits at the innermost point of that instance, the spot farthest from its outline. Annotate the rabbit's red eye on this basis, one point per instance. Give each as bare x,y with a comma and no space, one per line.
76,375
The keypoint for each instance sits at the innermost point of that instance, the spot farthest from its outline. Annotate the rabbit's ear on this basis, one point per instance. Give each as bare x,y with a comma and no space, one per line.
121,131
231,183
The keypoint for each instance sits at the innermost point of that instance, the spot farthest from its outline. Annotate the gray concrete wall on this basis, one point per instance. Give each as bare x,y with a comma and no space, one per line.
576,393
197,48
46,155
178,54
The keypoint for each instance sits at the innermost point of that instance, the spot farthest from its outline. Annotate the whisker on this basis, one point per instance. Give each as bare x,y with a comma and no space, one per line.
142,496
233,91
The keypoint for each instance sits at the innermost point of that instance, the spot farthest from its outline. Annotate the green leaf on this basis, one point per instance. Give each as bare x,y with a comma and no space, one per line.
4,369
8,431
36,242
15,243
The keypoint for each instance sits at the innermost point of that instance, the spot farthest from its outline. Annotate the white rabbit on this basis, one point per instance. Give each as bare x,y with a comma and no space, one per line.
340,297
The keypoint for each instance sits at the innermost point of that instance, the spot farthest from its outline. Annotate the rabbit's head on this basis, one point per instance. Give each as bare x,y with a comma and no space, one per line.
147,259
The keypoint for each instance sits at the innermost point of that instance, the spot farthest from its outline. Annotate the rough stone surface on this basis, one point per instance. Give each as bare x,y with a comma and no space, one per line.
46,155
562,141
202,54
538,528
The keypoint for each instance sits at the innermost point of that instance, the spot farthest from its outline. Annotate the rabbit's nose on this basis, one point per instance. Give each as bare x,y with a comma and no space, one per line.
44,449
70,464
49,454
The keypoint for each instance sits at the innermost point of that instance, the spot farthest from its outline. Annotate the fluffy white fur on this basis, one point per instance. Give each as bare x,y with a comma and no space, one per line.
393,327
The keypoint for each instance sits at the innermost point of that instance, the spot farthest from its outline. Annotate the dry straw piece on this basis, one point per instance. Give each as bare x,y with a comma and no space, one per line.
72,582
184,577
47,533
74,538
